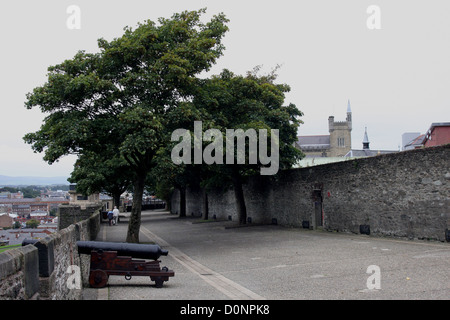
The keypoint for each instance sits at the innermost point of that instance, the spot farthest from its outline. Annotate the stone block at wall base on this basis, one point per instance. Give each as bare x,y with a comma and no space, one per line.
30,261
46,285
19,273
36,296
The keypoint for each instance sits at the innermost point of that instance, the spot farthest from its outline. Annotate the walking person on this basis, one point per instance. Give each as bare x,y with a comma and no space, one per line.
110,217
115,215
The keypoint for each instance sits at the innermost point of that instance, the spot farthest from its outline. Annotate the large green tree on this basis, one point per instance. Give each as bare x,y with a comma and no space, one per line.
252,102
121,96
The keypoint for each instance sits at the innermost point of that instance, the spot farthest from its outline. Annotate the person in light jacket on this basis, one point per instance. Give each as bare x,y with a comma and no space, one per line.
115,215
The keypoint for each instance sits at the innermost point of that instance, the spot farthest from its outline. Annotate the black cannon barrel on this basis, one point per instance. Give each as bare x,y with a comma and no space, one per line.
134,250
29,241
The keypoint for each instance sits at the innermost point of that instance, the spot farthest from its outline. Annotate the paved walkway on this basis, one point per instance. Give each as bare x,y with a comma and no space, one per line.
217,261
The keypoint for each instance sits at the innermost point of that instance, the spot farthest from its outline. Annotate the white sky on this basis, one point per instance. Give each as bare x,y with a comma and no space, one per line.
397,78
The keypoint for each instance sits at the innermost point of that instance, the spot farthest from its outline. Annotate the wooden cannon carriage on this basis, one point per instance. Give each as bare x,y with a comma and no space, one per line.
113,258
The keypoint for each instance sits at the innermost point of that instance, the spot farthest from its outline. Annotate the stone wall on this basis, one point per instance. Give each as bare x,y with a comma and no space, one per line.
69,213
18,273
193,202
405,194
45,269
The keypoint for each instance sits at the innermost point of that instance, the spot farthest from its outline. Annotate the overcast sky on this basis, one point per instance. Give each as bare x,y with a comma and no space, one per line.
397,77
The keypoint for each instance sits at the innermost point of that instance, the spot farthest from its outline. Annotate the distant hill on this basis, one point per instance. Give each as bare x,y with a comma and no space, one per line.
28,181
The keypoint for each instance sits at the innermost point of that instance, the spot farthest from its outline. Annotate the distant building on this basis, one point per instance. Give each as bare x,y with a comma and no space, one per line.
410,140
40,215
82,200
5,208
438,134
25,206
365,151
6,221
16,236
107,202
55,194
21,209
336,144
415,143
18,195
9,195
4,195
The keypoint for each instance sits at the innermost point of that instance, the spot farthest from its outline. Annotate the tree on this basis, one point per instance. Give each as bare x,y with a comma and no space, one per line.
32,223
102,172
31,192
166,178
121,95
169,176
253,102
9,189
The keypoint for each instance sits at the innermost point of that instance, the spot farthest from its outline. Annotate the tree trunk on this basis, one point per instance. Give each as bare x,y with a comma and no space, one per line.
205,205
135,217
239,194
116,198
168,204
182,202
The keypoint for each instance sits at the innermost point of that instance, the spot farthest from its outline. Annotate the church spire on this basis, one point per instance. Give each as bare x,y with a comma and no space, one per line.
349,108
366,141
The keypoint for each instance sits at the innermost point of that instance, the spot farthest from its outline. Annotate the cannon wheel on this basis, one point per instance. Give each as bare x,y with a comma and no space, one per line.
159,281
98,278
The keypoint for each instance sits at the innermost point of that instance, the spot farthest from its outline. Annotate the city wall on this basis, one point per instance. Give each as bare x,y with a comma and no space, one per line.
48,268
405,194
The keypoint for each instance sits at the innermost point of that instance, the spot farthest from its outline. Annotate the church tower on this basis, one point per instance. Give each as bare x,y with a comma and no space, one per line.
340,134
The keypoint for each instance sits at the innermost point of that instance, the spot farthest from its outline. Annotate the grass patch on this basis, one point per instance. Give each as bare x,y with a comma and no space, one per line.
4,248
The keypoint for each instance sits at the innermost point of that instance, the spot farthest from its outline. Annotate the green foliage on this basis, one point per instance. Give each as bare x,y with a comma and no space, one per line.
101,172
116,109
122,95
31,192
28,191
32,223
9,189
229,101
8,247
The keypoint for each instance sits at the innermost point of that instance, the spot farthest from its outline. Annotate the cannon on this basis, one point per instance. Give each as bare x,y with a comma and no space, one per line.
118,258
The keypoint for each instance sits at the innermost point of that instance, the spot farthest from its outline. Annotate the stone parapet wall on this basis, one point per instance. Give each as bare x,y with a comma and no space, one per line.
51,267
404,194
71,214
18,274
